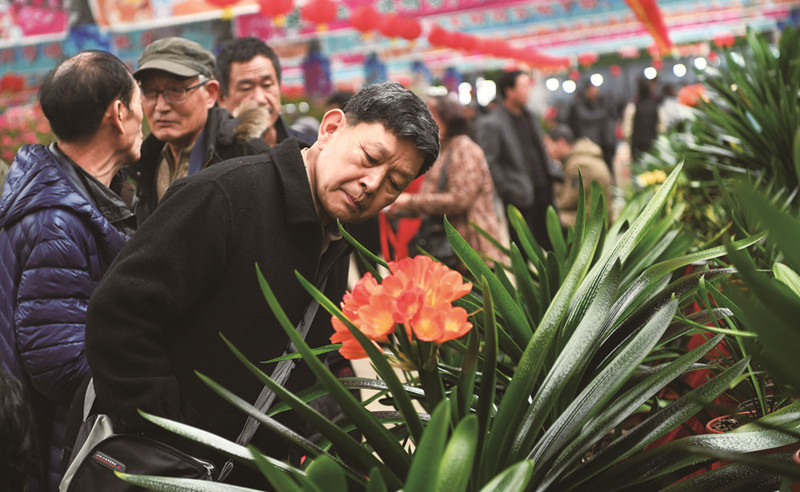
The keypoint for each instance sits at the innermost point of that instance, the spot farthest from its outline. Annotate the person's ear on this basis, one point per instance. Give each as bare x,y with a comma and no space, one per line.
116,113
212,89
332,121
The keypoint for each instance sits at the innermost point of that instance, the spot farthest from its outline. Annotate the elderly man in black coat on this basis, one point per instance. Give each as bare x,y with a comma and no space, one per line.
190,272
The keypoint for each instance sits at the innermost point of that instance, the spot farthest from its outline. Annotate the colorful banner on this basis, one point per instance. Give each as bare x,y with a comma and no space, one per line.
127,15
26,22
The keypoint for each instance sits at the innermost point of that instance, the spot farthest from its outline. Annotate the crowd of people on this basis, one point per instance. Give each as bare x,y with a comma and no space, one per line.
125,257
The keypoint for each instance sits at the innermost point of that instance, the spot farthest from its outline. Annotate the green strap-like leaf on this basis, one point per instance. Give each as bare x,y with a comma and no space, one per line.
327,475
165,484
599,391
382,441
515,399
515,478
613,414
455,467
282,482
425,466
575,354
506,304
651,429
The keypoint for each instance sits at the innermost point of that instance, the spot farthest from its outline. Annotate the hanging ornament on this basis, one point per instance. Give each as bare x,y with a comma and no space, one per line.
615,70
410,28
363,18
389,25
320,12
222,3
276,9
724,39
588,59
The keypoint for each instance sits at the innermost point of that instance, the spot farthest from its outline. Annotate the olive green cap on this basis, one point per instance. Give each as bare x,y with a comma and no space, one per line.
177,56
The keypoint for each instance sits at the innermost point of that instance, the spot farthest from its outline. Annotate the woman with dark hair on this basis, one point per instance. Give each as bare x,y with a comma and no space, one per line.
458,185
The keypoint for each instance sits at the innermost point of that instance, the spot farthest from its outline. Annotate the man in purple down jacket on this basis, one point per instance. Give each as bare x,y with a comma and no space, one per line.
61,225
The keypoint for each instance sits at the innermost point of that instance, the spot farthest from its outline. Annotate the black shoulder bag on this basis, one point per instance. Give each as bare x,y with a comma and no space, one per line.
99,452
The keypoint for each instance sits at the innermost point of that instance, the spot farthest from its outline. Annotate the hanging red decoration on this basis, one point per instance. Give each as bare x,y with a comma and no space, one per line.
574,75
588,59
724,39
363,18
275,8
650,16
11,82
409,28
658,64
615,70
438,36
222,3
319,11
389,25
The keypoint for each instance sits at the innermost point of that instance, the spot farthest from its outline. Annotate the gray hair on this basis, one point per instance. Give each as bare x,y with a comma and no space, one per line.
402,112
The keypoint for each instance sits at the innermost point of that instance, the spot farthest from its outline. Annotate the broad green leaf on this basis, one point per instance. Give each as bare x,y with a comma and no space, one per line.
515,478
455,467
788,277
618,410
506,304
428,455
512,407
376,483
327,475
382,441
555,234
575,354
648,431
600,390
164,484
280,481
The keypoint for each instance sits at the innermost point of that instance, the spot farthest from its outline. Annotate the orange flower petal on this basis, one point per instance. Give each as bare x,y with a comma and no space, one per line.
428,326
408,304
377,319
455,324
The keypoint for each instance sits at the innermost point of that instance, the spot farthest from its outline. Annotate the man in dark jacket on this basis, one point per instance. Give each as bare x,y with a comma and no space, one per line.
249,75
62,222
190,272
511,139
189,132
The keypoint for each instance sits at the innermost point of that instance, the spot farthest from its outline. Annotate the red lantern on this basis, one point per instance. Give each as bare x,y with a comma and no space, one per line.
658,64
274,8
724,39
410,29
588,59
363,18
574,75
615,70
319,11
222,3
389,25
438,36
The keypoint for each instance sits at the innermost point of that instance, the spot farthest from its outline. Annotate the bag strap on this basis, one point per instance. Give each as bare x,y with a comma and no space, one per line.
265,398
280,374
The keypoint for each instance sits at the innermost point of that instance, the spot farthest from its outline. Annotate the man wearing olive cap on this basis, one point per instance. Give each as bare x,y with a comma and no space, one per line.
189,133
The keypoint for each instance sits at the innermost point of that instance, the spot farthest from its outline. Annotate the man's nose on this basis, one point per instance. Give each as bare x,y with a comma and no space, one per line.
372,179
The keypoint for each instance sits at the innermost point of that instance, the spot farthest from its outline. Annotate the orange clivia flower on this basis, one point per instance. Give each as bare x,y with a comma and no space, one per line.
418,295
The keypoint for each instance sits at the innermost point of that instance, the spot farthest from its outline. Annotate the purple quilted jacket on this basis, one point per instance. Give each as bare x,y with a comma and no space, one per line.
54,248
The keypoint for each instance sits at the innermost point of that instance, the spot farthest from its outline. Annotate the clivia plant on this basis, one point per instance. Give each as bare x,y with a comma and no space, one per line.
524,380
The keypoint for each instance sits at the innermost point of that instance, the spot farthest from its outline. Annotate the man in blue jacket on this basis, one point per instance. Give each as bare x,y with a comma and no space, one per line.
63,219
